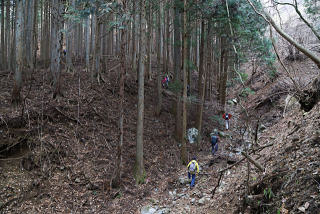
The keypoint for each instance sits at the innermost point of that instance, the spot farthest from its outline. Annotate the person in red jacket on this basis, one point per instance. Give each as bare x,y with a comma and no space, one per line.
227,117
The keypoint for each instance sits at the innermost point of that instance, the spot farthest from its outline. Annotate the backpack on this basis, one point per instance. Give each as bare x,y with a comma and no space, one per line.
192,167
214,140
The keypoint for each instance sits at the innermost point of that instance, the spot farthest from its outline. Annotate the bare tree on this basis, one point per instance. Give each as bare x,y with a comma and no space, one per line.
184,95
16,98
56,46
139,165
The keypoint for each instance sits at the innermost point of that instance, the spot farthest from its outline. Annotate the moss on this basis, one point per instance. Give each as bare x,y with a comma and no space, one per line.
140,178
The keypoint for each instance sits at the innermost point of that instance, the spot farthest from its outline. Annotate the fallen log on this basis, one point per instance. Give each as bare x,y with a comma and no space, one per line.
258,165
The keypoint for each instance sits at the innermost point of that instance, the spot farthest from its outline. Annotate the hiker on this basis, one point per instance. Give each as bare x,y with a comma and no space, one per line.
188,90
193,169
165,82
227,117
214,143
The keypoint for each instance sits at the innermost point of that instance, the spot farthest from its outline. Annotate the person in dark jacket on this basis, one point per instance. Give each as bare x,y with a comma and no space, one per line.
214,144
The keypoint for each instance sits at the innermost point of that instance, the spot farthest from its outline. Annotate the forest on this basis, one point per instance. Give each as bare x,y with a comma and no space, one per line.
159,106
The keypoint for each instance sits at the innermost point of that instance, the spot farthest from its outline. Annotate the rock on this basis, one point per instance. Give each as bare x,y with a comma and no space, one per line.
181,195
262,127
184,180
192,135
154,201
291,103
302,209
187,208
148,210
164,210
198,194
230,102
235,101
222,134
193,200
77,180
202,201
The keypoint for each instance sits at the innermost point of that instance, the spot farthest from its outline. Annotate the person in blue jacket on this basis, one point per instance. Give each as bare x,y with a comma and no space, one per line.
214,143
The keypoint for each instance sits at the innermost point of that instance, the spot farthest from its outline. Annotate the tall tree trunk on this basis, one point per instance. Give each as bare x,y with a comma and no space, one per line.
134,55
139,165
13,46
96,67
7,59
159,93
165,40
2,46
224,74
35,34
16,98
202,80
168,61
56,46
45,38
117,180
184,101
88,43
29,27
177,40
69,42
148,67
177,65
69,30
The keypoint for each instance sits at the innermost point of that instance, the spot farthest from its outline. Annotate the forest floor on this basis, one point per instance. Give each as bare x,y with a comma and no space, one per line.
63,153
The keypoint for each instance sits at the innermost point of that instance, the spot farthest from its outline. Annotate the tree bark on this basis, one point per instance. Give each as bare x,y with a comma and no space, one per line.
168,60
149,32
56,46
165,39
2,46
159,89
96,66
177,67
201,80
117,180
177,40
6,52
140,173
224,75
184,101
16,98
29,33
35,35
134,56
88,43
69,46
45,38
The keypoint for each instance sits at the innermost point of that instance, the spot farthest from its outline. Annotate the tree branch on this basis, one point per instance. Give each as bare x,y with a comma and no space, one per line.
295,6
269,19
258,165
282,64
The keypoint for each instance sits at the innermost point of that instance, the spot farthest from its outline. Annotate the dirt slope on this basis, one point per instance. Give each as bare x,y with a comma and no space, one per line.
64,158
